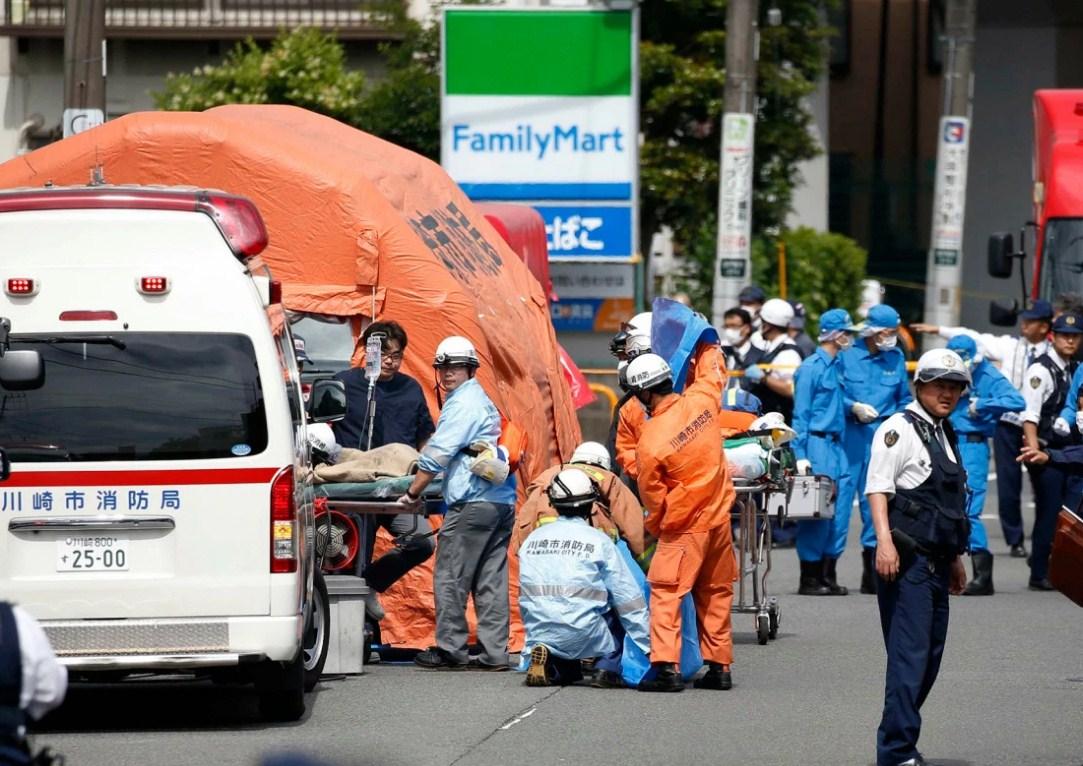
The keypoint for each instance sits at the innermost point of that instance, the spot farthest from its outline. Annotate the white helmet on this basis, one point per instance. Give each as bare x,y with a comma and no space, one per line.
640,323
647,371
591,453
322,439
941,364
780,432
777,312
637,343
572,493
455,350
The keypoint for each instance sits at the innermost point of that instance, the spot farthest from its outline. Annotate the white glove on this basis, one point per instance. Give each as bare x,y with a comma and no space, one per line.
972,410
408,504
489,463
864,413
754,374
1079,420
804,467
1061,427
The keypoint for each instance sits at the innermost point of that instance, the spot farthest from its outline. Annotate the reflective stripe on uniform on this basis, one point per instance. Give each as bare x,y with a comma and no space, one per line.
565,591
631,606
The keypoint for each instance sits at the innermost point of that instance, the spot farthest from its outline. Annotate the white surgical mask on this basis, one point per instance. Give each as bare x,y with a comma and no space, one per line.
844,341
732,336
887,343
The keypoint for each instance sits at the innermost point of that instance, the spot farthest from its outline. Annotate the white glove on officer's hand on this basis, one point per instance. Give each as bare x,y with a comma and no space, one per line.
754,374
407,503
489,463
972,410
1079,420
1061,427
864,413
804,467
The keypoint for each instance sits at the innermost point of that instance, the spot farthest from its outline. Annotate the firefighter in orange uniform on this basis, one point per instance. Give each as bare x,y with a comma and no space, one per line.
688,493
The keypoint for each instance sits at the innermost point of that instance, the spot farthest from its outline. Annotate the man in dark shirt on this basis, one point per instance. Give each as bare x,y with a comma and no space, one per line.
402,417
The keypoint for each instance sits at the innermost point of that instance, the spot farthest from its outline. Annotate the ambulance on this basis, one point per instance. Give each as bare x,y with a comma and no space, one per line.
158,515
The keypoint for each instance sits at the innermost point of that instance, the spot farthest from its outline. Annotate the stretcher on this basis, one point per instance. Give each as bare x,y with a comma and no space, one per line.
753,513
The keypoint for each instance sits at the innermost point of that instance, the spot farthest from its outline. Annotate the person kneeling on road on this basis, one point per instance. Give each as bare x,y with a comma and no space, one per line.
686,487
576,593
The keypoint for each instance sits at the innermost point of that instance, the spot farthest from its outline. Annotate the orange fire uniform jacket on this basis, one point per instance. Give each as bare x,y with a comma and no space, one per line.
629,426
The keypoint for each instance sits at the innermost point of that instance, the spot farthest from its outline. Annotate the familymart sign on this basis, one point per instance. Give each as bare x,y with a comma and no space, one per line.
540,105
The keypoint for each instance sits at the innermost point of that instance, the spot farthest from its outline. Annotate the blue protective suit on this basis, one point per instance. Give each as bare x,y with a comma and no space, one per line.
819,420
993,395
468,416
571,576
879,380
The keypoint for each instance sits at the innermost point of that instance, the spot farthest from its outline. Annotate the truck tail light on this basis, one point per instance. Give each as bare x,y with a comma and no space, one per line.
283,523
87,316
153,285
22,287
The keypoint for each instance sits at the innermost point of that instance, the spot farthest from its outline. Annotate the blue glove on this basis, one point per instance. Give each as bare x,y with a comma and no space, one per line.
754,374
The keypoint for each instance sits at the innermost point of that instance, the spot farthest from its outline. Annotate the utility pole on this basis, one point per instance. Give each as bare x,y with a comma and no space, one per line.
733,268
945,263
84,65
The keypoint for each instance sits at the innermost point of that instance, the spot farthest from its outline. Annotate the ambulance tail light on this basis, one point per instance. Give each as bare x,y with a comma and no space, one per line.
153,285
237,218
21,287
283,524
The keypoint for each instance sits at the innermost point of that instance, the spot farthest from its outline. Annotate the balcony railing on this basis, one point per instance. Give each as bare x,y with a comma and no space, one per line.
220,19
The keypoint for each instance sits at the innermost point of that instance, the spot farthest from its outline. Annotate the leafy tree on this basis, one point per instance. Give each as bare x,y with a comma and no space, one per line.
305,67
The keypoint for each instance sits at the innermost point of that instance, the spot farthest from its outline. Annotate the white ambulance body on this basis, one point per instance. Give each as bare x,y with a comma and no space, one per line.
158,515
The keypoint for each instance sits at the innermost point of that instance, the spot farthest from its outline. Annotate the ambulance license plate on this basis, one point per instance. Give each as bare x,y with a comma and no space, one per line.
104,553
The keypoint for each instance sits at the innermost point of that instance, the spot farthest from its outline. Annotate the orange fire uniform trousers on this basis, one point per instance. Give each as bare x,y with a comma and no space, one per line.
700,563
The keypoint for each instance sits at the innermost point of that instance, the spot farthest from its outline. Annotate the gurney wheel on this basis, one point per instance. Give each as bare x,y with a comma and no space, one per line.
763,628
774,618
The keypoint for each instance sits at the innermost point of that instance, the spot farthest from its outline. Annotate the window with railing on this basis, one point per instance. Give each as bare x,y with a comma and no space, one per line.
212,18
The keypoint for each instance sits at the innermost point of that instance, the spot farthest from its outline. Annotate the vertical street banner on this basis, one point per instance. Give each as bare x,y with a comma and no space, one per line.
949,196
735,205
540,106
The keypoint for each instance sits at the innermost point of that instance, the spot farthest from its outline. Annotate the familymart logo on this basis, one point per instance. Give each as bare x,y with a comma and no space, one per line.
527,139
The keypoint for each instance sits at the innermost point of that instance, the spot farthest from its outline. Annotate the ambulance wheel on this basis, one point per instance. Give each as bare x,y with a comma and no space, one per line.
763,628
774,619
281,690
317,634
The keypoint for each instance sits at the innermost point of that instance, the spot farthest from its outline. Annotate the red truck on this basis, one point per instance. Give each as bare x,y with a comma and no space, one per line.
1058,207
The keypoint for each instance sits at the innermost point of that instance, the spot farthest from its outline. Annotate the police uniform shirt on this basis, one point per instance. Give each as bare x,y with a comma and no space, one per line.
787,361
1039,387
899,458
44,680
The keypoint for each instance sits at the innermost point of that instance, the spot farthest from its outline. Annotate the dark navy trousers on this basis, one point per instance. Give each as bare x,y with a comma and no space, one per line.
1007,442
1051,490
914,619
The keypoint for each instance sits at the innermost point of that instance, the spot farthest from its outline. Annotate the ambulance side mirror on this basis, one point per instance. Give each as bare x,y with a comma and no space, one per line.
327,401
21,370
1003,314
1000,253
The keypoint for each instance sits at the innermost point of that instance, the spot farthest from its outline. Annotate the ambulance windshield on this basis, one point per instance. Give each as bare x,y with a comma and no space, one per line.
137,396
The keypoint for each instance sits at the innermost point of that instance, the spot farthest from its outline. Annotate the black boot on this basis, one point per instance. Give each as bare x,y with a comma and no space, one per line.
667,679
868,572
982,584
830,580
717,677
810,579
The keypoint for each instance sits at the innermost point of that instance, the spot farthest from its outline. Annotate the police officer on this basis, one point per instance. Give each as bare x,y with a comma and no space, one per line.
974,419
917,495
796,330
819,422
874,386
1045,394
32,682
1014,354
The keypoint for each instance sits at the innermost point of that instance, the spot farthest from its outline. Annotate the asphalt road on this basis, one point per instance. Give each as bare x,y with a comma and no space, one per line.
1010,692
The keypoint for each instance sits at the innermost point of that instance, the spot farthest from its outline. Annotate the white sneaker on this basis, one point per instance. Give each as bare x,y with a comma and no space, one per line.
372,606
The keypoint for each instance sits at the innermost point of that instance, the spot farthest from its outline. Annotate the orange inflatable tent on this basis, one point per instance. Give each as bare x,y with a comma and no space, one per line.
355,220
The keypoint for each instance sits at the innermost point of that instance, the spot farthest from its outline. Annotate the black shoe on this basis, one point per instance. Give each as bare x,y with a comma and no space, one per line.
667,679
810,584
537,673
476,664
717,677
1019,551
1042,584
982,584
606,679
436,658
830,579
868,570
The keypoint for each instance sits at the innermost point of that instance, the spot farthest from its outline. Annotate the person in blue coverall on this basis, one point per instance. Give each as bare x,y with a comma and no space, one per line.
577,596
874,387
472,553
1070,424
819,420
975,419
